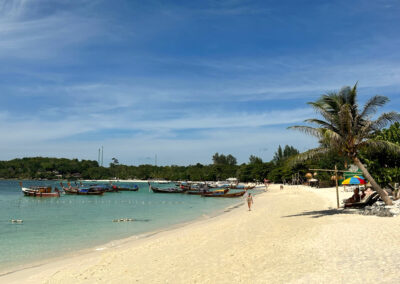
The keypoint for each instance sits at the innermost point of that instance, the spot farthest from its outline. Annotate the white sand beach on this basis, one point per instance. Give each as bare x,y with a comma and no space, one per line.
291,236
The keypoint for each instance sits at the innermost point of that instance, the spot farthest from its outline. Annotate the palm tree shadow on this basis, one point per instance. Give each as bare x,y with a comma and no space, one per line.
320,213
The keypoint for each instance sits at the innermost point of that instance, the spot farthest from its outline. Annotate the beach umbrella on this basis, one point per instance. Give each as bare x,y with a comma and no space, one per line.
354,180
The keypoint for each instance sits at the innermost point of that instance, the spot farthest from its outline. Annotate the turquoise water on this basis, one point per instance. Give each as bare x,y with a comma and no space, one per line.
56,226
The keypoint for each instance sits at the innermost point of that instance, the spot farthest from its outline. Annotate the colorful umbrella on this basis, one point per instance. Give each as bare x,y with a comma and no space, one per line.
354,180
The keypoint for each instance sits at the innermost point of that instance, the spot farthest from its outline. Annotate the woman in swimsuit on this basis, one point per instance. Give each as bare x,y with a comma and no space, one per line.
249,200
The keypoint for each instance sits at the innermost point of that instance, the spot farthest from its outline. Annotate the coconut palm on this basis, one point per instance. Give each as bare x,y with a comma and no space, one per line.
346,129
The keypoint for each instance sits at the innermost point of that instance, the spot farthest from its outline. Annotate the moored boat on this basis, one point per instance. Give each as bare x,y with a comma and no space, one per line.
81,190
166,190
200,192
104,187
40,191
119,188
236,194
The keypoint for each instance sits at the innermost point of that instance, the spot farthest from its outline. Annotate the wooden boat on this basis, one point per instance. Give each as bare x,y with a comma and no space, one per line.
249,187
166,190
99,187
40,191
104,187
200,192
239,186
185,187
82,190
135,188
119,188
236,194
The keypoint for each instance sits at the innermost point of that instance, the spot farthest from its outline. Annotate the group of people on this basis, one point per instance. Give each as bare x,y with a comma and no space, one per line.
357,197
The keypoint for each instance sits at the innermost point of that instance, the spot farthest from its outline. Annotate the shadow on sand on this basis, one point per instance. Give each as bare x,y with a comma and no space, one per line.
321,213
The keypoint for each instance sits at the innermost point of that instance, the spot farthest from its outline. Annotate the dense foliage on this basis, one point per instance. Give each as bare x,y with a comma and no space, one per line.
49,168
222,168
221,159
383,165
347,129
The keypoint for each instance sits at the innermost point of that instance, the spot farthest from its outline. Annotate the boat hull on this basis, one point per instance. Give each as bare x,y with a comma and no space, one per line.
128,189
167,190
200,192
226,195
82,192
37,193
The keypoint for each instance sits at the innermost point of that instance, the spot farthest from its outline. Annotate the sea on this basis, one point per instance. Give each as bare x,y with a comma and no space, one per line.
57,226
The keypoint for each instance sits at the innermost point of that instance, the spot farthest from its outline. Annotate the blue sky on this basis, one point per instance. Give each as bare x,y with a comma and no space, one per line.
183,79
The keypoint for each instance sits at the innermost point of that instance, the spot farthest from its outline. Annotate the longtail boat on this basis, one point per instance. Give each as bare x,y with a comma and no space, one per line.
119,188
236,194
99,187
239,186
185,186
81,190
104,187
166,190
40,191
201,192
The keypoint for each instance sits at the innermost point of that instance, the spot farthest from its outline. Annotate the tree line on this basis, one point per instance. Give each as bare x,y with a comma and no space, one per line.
383,165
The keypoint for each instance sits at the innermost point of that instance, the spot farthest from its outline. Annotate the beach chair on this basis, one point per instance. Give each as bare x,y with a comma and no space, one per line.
366,201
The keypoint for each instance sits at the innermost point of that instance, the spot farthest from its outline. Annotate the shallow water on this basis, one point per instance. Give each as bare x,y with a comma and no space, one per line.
55,226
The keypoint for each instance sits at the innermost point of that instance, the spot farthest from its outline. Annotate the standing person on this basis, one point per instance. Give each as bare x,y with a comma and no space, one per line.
266,184
249,200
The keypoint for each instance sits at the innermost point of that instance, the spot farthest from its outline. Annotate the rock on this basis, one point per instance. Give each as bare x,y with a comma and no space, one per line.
394,211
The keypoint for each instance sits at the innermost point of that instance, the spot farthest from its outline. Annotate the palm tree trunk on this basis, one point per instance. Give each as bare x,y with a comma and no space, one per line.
375,186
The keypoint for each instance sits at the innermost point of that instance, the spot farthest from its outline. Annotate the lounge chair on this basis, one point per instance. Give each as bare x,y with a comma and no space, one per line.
366,201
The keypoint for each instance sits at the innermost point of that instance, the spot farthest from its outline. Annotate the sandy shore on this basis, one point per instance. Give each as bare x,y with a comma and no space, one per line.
291,236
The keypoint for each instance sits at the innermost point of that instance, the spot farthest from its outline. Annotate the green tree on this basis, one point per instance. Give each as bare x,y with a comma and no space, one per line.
224,160
382,164
287,152
255,160
346,129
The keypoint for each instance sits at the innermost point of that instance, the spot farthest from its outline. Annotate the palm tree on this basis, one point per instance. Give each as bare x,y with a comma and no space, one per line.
346,129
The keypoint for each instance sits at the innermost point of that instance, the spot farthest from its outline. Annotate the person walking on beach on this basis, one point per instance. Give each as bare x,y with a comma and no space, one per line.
249,200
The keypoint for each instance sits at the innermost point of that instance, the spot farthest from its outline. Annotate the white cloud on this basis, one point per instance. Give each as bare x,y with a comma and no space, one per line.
240,142
27,36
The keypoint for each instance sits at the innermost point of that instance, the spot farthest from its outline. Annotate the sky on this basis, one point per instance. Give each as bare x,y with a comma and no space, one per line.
183,79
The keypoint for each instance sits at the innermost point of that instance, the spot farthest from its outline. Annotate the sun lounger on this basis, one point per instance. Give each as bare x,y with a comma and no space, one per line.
367,201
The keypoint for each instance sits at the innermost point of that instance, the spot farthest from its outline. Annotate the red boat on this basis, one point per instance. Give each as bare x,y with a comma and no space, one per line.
40,191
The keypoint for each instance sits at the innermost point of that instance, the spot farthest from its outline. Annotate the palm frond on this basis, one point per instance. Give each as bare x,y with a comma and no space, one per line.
324,110
307,155
386,119
322,123
372,105
382,145
316,132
